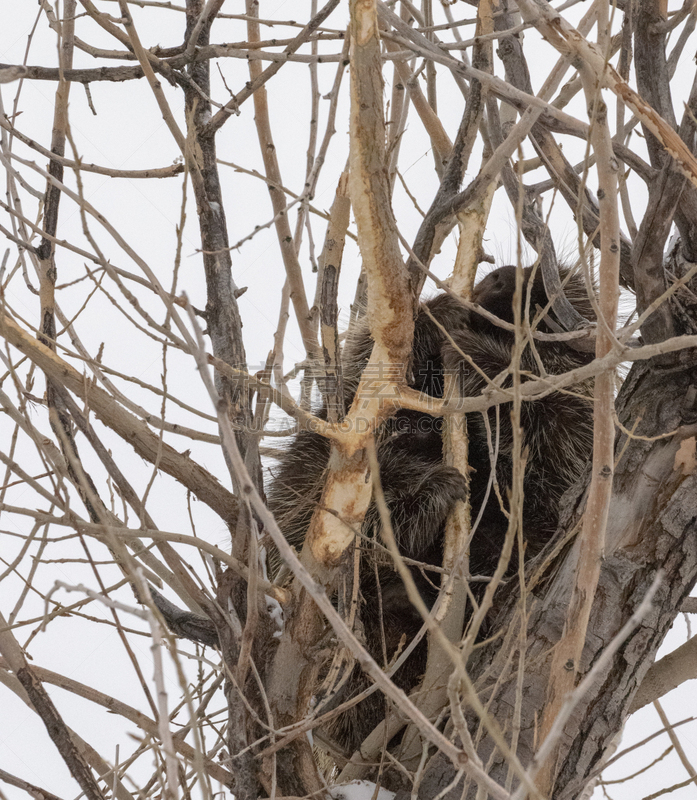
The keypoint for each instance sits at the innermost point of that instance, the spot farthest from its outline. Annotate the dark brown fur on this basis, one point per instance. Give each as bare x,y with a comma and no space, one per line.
420,490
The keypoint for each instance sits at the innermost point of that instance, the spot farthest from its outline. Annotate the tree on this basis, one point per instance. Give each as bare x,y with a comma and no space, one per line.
535,709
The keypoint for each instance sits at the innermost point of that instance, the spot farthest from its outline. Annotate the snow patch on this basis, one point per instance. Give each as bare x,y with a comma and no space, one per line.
359,790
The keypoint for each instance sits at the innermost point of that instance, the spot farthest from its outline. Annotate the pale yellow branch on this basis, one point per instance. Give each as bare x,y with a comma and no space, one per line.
591,544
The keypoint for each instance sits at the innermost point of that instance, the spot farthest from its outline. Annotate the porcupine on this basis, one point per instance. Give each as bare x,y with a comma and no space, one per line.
420,490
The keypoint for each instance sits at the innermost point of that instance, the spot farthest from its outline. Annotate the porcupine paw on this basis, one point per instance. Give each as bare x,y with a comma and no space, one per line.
447,485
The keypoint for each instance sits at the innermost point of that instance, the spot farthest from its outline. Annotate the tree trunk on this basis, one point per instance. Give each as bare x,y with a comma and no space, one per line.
652,529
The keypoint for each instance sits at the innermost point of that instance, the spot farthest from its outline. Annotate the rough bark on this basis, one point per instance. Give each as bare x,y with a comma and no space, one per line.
652,528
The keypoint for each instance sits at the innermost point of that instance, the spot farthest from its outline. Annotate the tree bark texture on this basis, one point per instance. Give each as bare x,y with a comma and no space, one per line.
652,527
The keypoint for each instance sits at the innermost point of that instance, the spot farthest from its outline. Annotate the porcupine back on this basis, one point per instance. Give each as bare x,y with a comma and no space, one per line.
420,490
